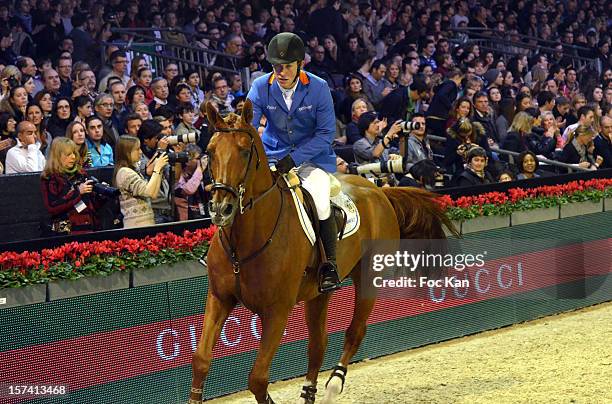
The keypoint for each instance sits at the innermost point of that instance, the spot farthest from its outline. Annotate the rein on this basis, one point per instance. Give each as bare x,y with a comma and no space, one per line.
227,245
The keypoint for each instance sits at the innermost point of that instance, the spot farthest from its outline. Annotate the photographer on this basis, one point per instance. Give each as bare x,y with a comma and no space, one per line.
190,194
417,144
374,146
423,174
67,193
136,191
155,144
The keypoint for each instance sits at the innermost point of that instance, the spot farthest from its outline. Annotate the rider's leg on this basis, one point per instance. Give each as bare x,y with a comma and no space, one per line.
317,183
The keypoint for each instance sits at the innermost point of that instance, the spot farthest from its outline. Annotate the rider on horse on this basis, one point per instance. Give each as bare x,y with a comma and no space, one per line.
300,129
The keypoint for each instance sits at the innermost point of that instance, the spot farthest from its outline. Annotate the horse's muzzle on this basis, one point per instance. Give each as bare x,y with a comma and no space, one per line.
222,213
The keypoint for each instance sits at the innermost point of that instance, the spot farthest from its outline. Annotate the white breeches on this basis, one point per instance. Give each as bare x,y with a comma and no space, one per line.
316,181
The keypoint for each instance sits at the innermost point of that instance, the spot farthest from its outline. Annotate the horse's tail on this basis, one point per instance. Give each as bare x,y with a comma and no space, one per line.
415,208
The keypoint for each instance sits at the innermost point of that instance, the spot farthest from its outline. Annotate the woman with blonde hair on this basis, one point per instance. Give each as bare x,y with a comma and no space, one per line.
67,193
551,130
77,132
579,148
10,76
522,136
136,192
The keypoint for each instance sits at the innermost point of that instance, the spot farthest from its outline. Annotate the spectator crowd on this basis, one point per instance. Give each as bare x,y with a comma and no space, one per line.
529,77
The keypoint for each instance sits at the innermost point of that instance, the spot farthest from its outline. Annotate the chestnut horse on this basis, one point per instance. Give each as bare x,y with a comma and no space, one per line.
261,257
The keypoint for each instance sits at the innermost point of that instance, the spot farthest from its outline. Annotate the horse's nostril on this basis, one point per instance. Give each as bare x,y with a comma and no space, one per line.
228,209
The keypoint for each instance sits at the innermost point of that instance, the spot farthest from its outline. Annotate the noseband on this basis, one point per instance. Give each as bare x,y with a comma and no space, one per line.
239,193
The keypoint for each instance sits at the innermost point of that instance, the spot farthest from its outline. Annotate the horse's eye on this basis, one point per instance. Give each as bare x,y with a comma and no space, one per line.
244,154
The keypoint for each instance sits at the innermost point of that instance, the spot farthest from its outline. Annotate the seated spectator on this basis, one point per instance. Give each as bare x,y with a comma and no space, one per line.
44,99
221,97
374,85
576,150
523,101
461,137
522,136
561,111
186,114
353,92
104,107
603,142
67,193
136,192
423,174
25,157
7,136
484,116
505,176
358,108
134,95
190,195
550,130
61,116
101,152
76,132
132,124
586,117
145,78
84,108
527,164
160,89
418,145
34,114
192,79
119,64
578,101
462,108
475,173
142,110
15,103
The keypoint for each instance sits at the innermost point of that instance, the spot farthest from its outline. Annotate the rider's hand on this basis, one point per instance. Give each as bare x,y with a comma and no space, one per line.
285,164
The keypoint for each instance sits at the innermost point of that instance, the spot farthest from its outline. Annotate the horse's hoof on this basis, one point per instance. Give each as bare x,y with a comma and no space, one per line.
335,384
192,401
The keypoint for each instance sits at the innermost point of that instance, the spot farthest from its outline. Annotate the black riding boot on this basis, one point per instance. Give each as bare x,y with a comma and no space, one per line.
328,274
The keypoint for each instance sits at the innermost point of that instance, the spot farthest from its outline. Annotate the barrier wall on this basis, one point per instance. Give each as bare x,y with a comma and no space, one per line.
135,345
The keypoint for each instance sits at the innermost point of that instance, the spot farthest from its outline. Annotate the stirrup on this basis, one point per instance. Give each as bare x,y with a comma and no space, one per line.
329,268
308,394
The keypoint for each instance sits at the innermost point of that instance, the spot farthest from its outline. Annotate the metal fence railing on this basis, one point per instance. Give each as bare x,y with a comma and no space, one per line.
160,53
497,41
544,160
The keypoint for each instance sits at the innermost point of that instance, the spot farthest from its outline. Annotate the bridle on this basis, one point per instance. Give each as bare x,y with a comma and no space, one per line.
228,247
239,193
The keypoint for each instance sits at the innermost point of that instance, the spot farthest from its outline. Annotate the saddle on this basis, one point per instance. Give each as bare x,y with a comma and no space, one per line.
343,208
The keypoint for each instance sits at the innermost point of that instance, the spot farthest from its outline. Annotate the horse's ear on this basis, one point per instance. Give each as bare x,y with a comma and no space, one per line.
213,115
247,112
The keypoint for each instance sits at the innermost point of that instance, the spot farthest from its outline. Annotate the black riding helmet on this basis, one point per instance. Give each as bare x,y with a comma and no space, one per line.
285,48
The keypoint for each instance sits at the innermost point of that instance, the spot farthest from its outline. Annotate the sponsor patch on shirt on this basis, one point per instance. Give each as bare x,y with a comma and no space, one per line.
271,107
305,107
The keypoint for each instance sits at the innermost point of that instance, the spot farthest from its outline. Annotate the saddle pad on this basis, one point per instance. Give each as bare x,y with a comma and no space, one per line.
342,200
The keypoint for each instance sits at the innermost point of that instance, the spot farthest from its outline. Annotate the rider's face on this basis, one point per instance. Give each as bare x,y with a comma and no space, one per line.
286,73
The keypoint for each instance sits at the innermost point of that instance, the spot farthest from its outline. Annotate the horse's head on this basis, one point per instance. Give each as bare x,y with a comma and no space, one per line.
235,153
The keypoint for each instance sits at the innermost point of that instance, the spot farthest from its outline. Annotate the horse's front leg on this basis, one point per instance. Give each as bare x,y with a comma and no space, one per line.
273,324
215,315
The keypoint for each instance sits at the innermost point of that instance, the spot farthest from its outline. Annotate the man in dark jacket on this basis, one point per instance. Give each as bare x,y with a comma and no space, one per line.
442,102
402,102
475,172
603,142
484,115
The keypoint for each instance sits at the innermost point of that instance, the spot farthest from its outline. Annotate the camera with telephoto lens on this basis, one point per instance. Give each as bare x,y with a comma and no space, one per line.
383,167
103,189
408,126
191,137
177,157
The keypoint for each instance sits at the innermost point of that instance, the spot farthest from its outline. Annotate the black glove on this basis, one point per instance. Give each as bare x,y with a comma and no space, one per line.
285,164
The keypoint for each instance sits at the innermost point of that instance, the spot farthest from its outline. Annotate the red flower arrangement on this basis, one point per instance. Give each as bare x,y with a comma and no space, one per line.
519,199
75,260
